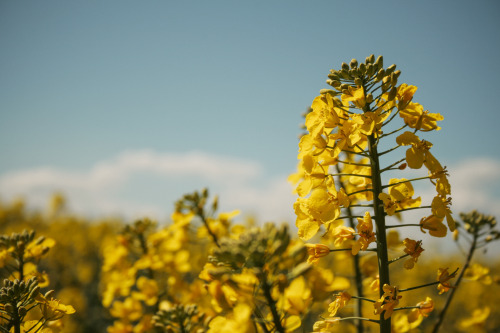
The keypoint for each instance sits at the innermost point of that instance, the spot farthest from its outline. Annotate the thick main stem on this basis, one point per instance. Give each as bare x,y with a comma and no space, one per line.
378,209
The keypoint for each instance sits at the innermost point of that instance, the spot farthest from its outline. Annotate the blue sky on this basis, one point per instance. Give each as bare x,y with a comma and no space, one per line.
126,105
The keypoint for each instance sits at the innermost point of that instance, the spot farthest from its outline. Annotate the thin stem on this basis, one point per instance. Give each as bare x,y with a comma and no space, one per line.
405,181
210,232
364,299
360,191
393,164
352,163
412,208
360,318
349,174
418,287
271,303
390,119
403,225
388,151
395,131
398,258
459,279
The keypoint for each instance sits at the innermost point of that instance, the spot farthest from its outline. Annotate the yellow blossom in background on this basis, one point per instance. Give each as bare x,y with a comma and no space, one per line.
476,320
148,291
478,272
239,320
340,302
128,310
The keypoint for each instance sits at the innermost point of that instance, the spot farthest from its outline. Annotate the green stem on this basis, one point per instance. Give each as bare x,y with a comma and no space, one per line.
459,279
421,286
271,303
378,208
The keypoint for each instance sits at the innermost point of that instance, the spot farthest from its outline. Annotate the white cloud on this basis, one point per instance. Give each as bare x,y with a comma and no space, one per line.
145,182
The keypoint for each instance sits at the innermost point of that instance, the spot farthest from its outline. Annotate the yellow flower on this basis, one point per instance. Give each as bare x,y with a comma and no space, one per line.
443,277
323,115
405,95
440,208
423,310
355,95
418,153
477,272
399,197
342,233
388,301
340,302
128,310
323,325
52,309
119,327
366,234
415,117
297,297
316,251
435,226
148,291
322,207
239,320
477,319
414,249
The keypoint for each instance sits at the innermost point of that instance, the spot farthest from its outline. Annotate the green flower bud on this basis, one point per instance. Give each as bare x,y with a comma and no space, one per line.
392,94
345,67
362,69
354,63
379,64
390,69
370,59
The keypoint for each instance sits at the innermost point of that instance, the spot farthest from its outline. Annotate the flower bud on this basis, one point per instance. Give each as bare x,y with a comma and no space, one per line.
390,69
380,62
358,82
392,94
345,67
362,69
380,74
370,70
369,98
370,59
354,63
